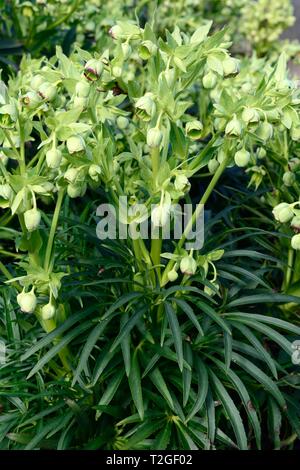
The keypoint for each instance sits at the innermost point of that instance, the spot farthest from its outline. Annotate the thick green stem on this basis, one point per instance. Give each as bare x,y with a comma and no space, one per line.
53,229
289,270
155,160
194,217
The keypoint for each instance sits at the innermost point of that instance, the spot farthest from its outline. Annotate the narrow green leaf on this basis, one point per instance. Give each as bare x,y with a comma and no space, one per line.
110,391
161,386
176,331
202,389
134,380
128,327
186,308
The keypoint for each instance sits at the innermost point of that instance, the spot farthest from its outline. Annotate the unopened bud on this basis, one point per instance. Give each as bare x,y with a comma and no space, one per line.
188,266
53,158
283,212
209,80
27,301
32,219
154,137
75,144
242,158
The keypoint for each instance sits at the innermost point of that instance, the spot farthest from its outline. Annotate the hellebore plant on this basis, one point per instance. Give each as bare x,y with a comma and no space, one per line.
84,125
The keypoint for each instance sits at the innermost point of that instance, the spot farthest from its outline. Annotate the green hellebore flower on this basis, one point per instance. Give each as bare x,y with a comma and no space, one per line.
94,172
242,158
5,191
170,77
76,190
295,223
295,242
116,31
27,301
47,91
261,153
80,102
283,212
160,215
71,175
147,49
182,183
250,115
75,144
288,178
126,50
172,275
209,80
31,100
53,158
194,129
48,311
265,131
233,127
32,219
295,133
82,89
230,66
93,69
145,107
188,265
36,82
8,116
117,71
154,137
213,165
122,122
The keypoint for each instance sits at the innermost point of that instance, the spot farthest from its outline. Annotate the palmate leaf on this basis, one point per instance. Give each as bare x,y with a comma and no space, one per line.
232,412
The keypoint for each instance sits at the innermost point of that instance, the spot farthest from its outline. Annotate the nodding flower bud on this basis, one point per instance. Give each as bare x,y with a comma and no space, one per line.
295,242
261,153
283,212
36,82
188,265
172,275
233,127
154,137
295,223
47,91
230,66
82,89
288,178
126,50
116,31
147,49
145,107
48,311
71,175
122,122
182,184
194,129
213,165
5,191
117,71
160,215
242,158
75,144
76,190
27,301
250,115
93,69
53,158
170,77
265,131
8,116
209,80
80,102
31,99
32,219
94,172
295,133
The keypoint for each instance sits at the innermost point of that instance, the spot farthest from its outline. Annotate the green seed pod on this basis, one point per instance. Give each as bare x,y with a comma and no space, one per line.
288,178
48,311
32,219
145,107
250,115
71,175
27,301
265,131
194,129
94,172
230,66
122,122
188,265
36,82
283,212
213,165
172,275
147,49
93,69
295,242
82,89
209,80
47,91
75,144
233,127
182,183
261,153
31,100
154,137
53,158
242,157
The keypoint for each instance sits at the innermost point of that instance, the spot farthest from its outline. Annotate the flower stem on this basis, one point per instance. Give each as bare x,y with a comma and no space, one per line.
53,229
